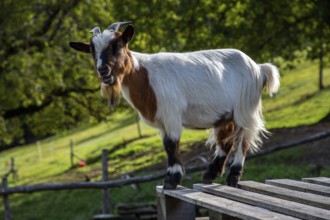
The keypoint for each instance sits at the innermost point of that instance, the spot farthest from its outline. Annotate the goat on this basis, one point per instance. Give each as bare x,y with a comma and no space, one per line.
219,89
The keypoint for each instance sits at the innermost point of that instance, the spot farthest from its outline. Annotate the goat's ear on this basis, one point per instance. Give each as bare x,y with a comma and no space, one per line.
128,34
80,46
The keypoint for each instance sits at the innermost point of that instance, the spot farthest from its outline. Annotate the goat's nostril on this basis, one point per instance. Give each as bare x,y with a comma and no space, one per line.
103,71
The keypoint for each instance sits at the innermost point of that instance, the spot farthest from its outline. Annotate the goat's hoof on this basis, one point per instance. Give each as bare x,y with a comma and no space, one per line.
234,175
232,180
207,179
172,181
169,186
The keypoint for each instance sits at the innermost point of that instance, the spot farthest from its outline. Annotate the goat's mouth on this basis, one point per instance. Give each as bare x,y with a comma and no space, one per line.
108,79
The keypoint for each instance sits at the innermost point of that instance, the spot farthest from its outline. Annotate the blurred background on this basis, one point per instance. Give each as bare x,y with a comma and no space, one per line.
54,125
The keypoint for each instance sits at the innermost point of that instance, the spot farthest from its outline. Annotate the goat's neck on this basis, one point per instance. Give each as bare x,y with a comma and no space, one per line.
137,88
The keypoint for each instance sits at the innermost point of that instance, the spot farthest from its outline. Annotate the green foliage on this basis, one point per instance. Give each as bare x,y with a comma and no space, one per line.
46,88
83,204
53,165
299,101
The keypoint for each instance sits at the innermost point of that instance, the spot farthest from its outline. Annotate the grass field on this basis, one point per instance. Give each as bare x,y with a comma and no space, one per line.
298,102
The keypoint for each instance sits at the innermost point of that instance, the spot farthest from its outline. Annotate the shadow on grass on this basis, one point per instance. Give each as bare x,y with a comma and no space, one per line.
123,123
116,147
304,98
98,158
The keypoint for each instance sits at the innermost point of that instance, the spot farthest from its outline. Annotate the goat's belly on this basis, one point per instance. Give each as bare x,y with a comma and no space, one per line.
199,119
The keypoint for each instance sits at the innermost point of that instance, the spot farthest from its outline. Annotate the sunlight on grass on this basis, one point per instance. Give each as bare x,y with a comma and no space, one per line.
298,102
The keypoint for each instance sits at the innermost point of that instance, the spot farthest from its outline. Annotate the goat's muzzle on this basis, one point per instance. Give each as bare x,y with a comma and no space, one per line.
104,71
106,75
108,79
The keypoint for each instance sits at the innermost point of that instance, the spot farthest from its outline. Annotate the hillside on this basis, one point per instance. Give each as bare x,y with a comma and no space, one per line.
295,112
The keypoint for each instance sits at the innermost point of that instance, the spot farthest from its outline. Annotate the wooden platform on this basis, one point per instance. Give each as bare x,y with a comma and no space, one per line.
277,199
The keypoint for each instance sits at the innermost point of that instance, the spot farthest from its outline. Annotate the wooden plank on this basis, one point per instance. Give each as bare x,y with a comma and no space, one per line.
301,186
283,193
171,208
223,205
324,181
275,204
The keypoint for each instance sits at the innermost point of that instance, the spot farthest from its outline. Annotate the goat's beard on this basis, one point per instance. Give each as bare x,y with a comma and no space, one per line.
112,93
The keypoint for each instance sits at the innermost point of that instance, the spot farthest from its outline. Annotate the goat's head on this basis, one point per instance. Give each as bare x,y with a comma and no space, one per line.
110,52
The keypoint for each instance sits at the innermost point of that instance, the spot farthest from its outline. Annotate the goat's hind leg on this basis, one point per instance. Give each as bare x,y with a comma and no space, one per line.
216,166
224,145
236,169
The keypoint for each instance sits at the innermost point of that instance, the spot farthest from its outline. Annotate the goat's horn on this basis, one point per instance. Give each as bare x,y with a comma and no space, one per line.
115,26
96,31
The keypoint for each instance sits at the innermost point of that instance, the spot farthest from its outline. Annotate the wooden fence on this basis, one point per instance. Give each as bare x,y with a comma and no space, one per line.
5,191
105,184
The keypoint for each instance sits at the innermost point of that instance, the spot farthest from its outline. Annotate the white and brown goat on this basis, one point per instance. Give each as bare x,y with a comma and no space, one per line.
219,89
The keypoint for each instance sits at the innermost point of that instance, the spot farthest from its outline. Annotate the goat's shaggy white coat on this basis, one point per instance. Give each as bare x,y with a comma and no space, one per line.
218,89
197,89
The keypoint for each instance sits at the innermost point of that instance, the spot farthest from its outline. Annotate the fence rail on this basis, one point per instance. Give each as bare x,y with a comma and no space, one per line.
86,185
5,191
105,185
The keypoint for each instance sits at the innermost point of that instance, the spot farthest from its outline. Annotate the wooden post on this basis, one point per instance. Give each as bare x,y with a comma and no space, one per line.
106,199
6,200
13,171
12,164
71,153
170,208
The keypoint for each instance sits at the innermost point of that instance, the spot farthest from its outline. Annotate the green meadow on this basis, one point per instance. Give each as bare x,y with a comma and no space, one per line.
299,102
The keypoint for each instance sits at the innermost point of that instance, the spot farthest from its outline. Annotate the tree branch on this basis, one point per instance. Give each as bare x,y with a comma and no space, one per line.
60,20
35,40
284,30
35,108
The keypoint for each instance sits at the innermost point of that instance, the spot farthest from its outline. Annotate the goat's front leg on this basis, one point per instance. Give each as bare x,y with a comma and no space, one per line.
175,169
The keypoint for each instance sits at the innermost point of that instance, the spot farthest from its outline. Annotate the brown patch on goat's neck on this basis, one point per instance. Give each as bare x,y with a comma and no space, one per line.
140,91
124,63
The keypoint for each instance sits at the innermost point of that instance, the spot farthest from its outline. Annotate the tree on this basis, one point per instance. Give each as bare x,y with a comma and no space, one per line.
41,91
45,87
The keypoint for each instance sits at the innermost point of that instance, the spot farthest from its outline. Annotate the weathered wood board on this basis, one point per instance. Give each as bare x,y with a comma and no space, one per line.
222,205
283,193
324,181
300,186
275,204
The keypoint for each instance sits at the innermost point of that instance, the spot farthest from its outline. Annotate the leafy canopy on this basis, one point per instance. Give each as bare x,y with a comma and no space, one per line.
46,88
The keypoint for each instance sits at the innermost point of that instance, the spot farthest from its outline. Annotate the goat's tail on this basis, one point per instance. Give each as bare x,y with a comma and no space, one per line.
271,77
248,110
